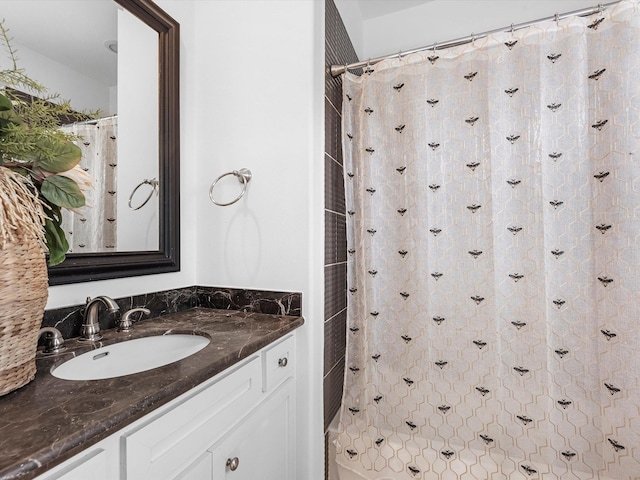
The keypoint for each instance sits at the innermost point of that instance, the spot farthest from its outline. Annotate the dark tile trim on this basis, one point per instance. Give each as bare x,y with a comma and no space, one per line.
333,384
338,50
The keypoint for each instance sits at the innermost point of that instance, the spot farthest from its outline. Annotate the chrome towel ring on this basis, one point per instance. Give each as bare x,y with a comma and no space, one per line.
244,176
154,188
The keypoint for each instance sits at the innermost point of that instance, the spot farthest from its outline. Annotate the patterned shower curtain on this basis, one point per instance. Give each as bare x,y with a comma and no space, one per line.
93,228
493,197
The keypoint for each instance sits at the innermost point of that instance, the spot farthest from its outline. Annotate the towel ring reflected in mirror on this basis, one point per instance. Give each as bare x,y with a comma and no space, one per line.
154,183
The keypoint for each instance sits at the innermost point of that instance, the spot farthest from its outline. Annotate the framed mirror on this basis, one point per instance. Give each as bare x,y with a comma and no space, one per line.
136,58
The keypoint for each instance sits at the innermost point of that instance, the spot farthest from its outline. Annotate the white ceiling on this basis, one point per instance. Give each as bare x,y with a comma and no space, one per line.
378,8
70,32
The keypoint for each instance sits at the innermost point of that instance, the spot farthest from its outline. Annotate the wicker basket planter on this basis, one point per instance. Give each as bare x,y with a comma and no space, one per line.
38,170
23,283
23,295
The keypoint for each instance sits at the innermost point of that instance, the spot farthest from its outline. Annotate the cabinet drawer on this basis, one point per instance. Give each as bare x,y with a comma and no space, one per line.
277,363
92,464
200,469
167,444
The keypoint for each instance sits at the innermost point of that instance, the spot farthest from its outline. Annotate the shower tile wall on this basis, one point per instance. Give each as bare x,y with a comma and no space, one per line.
339,50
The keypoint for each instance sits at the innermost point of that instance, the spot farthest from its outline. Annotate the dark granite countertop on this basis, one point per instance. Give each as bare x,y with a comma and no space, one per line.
50,420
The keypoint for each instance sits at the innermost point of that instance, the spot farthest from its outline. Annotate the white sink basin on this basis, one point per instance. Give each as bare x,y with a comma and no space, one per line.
131,356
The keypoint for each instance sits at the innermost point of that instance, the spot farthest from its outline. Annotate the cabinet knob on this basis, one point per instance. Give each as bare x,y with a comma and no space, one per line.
233,463
282,362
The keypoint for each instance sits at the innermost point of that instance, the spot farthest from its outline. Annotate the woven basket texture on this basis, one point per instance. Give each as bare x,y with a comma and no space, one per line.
23,296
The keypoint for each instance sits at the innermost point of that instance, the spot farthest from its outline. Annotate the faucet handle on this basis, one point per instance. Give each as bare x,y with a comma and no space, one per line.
125,323
53,341
87,304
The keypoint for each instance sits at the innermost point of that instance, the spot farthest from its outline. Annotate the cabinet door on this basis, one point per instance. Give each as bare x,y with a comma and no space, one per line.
261,446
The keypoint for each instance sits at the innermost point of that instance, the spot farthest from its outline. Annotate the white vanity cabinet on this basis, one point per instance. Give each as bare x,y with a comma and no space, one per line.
238,425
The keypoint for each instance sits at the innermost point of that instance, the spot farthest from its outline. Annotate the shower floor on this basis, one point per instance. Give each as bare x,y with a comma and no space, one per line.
467,464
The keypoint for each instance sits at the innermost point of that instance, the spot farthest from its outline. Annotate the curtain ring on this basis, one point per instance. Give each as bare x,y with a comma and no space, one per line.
434,46
556,17
368,68
473,39
600,8
512,29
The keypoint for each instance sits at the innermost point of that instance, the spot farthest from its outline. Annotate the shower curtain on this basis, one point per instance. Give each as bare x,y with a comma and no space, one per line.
493,212
93,228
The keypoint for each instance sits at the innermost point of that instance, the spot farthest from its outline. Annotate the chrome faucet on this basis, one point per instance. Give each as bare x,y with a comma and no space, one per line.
90,330
53,341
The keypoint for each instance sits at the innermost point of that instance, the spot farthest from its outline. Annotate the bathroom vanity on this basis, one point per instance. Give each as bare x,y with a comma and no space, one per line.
226,412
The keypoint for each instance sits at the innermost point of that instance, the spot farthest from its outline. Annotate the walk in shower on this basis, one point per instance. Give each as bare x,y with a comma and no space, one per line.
493,226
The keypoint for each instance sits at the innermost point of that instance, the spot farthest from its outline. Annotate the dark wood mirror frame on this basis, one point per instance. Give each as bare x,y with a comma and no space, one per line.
102,266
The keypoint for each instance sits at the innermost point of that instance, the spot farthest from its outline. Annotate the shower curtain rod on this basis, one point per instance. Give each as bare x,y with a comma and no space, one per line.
93,121
337,70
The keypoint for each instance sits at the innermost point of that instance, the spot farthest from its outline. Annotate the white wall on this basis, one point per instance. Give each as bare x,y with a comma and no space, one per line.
260,88
353,22
442,20
85,93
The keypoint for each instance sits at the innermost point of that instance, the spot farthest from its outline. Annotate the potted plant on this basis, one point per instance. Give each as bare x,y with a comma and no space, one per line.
39,176
32,144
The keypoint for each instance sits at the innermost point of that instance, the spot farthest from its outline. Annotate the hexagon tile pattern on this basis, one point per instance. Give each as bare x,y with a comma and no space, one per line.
494,257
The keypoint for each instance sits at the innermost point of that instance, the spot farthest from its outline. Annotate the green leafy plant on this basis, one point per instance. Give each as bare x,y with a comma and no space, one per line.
32,144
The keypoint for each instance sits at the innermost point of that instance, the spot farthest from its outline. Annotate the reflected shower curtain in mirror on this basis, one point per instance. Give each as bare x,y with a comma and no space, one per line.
93,228
493,197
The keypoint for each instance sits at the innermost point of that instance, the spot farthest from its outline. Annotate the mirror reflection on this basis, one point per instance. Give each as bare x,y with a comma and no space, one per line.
101,58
